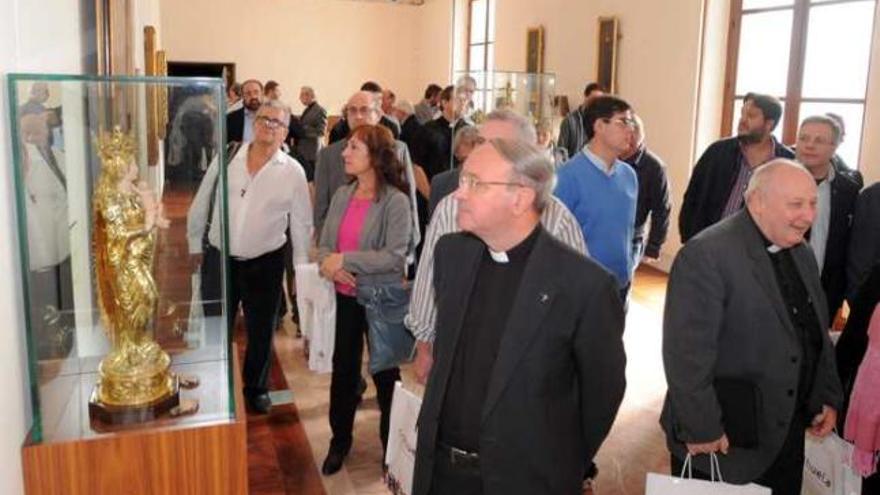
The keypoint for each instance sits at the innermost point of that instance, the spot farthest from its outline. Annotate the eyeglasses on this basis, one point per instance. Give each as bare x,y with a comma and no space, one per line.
472,183
359,110
816,140
270,123
624,121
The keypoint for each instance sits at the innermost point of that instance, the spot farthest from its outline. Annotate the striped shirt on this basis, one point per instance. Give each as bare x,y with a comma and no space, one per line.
422,316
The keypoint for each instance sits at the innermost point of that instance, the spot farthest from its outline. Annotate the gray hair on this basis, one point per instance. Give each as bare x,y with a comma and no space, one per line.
762,175
525,129
278,106
404,106
468,134
308,90
836,131
530,165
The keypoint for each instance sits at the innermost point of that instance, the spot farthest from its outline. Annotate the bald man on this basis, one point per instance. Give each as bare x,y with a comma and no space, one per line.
749,365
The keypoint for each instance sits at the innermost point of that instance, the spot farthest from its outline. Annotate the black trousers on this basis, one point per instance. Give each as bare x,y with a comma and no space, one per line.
449,478
351,328
784,476
212,270
256,284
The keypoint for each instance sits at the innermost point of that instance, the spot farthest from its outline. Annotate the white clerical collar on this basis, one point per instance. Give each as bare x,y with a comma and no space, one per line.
773,249
499,256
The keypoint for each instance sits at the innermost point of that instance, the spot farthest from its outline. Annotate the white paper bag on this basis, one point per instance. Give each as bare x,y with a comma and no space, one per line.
402,436
827,469
316,301
664,484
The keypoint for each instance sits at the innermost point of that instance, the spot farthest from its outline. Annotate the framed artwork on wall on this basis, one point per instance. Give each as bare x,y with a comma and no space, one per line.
535,50
606,59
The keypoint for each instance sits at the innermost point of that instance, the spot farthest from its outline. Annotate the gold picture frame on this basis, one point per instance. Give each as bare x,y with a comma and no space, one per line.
606,56
535,50
152,96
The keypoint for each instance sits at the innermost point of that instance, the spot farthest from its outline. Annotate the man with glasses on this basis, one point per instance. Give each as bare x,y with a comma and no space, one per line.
817,141
266,191
529,369
601,190
722,173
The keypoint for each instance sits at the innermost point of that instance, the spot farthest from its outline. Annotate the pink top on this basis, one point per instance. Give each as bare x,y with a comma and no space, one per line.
350,233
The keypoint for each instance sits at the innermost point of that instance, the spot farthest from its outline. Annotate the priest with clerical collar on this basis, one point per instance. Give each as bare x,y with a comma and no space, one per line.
528,356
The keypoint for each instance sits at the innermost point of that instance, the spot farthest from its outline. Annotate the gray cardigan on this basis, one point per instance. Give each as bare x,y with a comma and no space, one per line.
383,240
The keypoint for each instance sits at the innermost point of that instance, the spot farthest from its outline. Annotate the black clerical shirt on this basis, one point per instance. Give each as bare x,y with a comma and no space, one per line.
484,324
804,320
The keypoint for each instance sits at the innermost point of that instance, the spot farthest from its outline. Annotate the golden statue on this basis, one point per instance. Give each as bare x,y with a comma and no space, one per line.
136,373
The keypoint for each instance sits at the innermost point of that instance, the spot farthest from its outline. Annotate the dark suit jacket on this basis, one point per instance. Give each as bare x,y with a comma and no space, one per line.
314,123
558,378
443,185
725,317
844,193
864,244
235,125
653,200
711,182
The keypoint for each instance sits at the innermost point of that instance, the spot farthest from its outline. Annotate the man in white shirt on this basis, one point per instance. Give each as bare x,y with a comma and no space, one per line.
267,189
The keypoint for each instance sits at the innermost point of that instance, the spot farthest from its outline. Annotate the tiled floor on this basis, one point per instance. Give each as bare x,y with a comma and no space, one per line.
635,445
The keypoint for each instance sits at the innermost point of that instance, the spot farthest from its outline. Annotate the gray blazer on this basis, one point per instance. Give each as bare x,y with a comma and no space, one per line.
384,236
725,317
330,175
314,123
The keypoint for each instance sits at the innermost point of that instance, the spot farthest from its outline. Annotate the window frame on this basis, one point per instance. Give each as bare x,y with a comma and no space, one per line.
793,97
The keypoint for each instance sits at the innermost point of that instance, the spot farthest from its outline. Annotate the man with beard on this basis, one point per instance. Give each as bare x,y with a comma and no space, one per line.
721,175
240,123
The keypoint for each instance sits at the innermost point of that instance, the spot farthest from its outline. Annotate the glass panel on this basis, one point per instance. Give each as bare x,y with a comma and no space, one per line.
763,4
827,74
763,52
478,57
852,114
491,20
491,64
85,276
478,21
737,110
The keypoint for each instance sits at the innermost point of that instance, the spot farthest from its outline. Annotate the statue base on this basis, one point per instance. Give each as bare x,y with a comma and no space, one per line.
126,415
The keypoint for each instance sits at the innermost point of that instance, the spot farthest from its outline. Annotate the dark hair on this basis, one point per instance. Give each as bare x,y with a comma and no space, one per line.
382,150
371,86
254,81
270,86
593,86
236,89
432,90
447,93
770,107
602,107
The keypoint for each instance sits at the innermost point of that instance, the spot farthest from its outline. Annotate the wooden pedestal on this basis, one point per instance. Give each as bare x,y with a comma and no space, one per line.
157,459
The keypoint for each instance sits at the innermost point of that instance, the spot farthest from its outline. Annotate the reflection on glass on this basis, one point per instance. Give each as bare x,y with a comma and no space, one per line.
737,110
836,64
491,35
763,4
478,21
852,114
764,45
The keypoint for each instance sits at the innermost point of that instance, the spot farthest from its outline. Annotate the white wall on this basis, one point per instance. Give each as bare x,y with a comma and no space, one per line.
34,37
331,45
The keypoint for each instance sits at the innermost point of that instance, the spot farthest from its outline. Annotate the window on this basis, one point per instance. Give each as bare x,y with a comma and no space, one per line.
811,54
481,48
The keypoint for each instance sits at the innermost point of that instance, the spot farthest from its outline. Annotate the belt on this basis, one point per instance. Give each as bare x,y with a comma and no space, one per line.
459,457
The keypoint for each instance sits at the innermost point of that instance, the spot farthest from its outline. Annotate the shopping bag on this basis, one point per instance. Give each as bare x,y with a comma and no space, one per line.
316,301
827,468
400,456
663,484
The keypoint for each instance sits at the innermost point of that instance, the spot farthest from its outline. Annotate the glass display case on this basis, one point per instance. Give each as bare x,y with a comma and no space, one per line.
530,94
118,335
